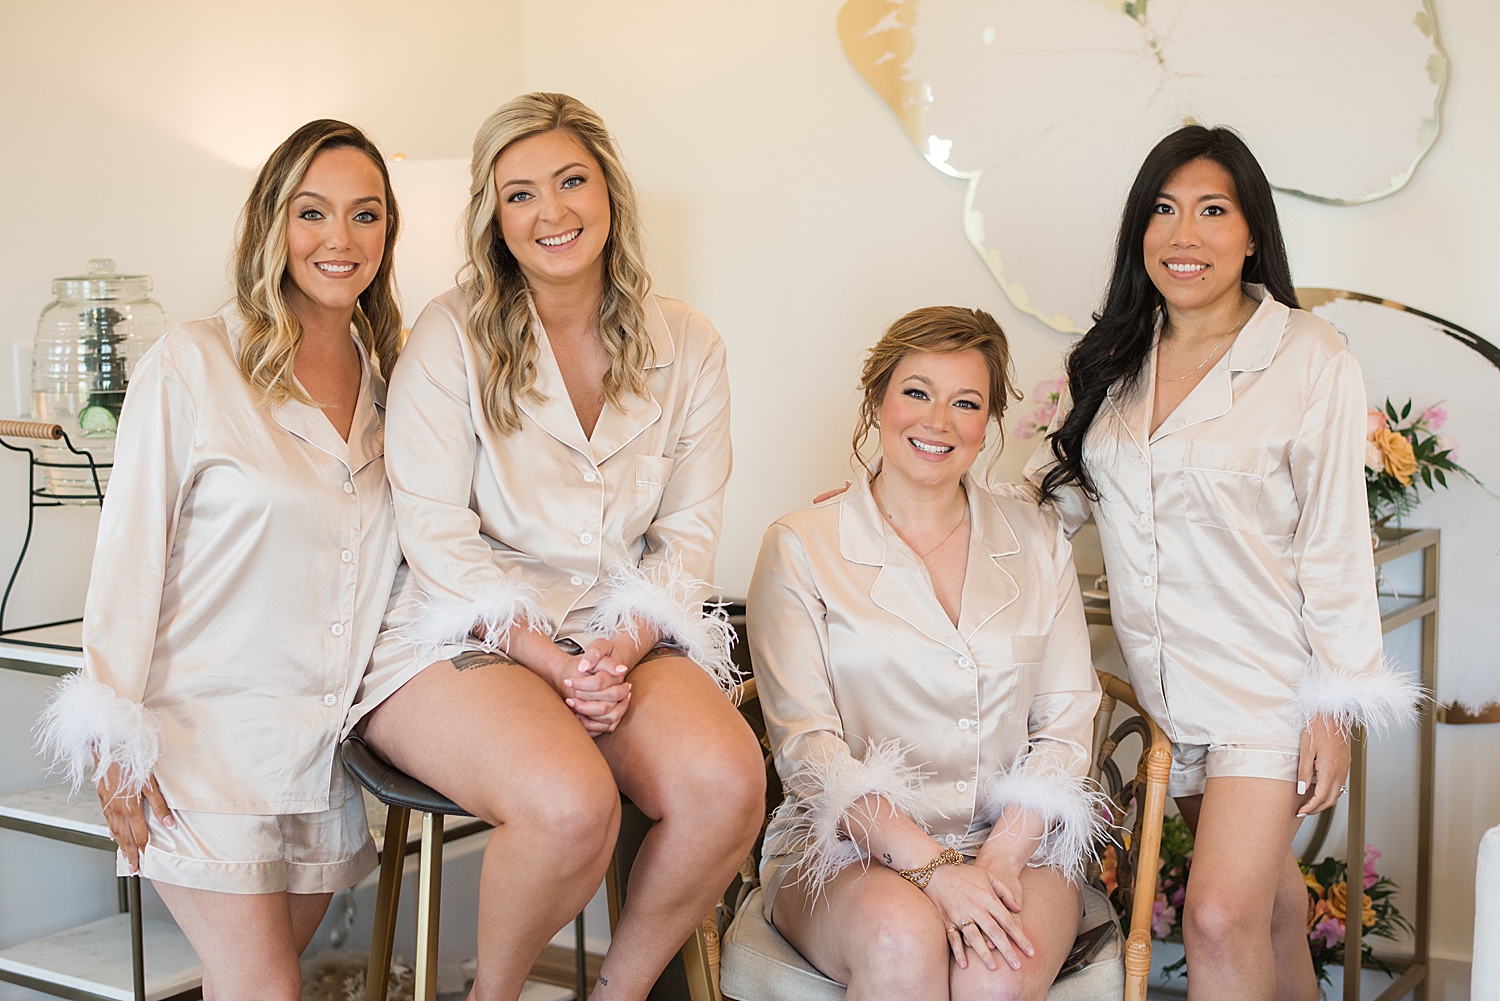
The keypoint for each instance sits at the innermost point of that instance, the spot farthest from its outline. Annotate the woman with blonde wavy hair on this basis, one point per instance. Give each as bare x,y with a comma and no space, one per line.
559,446
246,553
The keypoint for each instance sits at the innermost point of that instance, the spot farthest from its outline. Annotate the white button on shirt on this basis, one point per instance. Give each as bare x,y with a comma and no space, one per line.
965,662
346,556
586,538
575,581
589,477
961,786
222,642
963,724
338,629
330,700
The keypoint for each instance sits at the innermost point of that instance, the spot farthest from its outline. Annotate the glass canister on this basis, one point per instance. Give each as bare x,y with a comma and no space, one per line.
87,341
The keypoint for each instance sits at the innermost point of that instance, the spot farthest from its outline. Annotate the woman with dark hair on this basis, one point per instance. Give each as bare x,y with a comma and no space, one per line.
246,552
1216,433
924,669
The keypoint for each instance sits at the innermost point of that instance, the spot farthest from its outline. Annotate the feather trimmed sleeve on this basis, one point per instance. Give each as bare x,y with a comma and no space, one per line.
665,597
101,712
430,454
824,777
1049,775
1347,678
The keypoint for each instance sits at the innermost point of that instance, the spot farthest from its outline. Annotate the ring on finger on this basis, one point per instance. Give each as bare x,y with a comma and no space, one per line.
965,923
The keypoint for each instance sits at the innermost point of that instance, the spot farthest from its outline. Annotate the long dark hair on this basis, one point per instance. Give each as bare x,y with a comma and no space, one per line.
1116,348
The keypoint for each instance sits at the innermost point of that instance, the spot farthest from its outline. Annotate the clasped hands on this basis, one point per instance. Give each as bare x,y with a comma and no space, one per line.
593,684
981,906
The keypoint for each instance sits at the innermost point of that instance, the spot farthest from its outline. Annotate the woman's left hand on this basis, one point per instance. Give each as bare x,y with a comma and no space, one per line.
1324,765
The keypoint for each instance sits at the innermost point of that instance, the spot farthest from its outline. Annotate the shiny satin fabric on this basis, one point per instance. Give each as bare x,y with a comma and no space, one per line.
245,557
545,506
1237,536
852,648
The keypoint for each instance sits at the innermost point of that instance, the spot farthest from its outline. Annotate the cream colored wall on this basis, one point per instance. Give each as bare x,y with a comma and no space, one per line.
781,197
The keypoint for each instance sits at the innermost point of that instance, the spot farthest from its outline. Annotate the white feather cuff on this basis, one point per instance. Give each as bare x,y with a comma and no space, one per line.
83,719
1379,700
816,823
1072,809
498,606
665,598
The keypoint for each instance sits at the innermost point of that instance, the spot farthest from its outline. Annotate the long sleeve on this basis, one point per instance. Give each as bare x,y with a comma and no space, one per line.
1069,503
100,711
1347,678
666,590
1049,775
431,451
819,771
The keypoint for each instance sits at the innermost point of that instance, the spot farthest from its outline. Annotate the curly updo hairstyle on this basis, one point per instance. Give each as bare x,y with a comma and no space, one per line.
934,330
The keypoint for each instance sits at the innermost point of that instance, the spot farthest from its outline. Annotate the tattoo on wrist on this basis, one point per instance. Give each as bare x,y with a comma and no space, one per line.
471,659
887,857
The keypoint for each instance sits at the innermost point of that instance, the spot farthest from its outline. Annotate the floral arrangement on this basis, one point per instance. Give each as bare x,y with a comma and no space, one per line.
1400,450
1327,901
1048,392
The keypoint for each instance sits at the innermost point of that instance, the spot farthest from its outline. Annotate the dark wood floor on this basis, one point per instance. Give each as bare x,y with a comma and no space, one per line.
557,965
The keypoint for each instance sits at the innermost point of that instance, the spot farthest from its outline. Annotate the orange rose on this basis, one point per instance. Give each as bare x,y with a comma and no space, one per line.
1399,460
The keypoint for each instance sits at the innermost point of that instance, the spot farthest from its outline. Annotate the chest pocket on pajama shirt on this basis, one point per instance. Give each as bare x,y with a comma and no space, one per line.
1221,484
651,475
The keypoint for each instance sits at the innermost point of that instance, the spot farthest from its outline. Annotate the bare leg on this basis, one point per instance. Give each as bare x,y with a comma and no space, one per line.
879,934
869,929
1244,917
249,942
1050,911
499,742
683,755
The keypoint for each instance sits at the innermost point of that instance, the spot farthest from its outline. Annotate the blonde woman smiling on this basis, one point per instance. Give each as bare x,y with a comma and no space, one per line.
559,445
924,668
246,552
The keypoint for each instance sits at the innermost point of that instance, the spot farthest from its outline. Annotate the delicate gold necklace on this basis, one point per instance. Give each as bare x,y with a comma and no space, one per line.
962,519
1217,344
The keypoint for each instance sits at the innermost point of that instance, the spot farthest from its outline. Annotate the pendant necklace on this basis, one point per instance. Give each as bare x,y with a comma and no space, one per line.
921,556
1217,344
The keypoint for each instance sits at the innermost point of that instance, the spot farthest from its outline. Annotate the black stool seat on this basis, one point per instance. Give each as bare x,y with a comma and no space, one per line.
390,785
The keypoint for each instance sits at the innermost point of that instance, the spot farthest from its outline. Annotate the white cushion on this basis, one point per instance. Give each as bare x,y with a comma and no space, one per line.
759,965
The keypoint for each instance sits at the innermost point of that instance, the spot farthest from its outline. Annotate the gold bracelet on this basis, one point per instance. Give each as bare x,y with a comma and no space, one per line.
921,876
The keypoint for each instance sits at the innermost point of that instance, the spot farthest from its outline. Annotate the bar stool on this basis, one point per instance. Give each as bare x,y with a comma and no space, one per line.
402,794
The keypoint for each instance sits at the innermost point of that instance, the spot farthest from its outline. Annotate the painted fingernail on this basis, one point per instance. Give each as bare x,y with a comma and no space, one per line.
1301,815
169,821
1301,790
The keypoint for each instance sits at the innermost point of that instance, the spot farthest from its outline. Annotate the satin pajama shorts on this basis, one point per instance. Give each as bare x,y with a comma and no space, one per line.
1194,764
320,852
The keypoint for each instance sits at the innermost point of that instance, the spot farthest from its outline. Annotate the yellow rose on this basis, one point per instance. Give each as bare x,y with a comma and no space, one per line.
1338,902
1399,461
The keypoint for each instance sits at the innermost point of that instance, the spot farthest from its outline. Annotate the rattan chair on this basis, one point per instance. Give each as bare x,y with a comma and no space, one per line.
759,965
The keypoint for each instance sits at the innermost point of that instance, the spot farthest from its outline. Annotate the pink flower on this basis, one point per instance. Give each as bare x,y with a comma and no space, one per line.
1374,421
1050,390
1433,417
1178,896
1163,916
1330,930
1371,876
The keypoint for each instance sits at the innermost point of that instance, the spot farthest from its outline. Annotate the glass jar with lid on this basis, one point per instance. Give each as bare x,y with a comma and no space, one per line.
87,342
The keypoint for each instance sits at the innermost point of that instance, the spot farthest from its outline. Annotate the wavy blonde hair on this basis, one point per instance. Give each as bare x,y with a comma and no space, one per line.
935,330
499,299
272,334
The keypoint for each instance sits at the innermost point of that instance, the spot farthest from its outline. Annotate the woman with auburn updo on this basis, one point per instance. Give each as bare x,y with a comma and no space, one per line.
246,552
559,446
1216,433
923,665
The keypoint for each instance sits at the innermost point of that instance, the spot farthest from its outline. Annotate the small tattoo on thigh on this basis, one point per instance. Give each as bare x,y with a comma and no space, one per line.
470,659
657,653
604,981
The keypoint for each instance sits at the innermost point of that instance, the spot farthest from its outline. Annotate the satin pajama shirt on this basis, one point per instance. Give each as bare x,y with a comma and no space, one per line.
868,687
245,557
582,536
1237,542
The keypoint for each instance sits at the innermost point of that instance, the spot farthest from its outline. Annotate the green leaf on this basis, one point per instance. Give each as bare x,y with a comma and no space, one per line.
1441,478
1406,410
